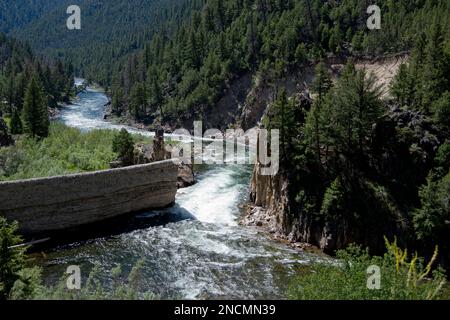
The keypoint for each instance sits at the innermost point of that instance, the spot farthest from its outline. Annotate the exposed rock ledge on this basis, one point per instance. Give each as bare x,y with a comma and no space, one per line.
269,209
268,203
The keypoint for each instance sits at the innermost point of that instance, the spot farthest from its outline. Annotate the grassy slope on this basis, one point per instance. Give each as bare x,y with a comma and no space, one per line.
66,150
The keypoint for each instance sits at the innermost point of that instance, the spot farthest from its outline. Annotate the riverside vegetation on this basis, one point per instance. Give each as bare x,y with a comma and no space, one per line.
401,279
19,280
346,279
65,150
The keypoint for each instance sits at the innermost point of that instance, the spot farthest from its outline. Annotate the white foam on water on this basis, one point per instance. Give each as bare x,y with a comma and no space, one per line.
205,253
214,199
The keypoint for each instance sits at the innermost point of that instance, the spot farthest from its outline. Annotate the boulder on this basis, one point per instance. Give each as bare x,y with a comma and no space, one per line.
186,177
142,153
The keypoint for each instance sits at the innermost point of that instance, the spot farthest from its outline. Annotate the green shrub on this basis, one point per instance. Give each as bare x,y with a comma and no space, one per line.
66,150
19,282
123,146
16,280
347,278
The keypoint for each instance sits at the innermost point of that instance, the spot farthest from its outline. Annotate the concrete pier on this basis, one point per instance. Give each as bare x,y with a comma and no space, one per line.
63,202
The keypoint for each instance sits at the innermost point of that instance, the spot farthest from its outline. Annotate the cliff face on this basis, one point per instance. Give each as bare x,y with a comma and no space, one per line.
272,205
269,202
270,208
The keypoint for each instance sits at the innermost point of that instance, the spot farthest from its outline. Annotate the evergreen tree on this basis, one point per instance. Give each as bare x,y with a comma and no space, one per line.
117,101
322,81
156,96
19,90
416,70
356,108
16,123
138,100
441,114
11,260
315,122
403,86
282,116
434,75
431,221
301,54
123,146
35,113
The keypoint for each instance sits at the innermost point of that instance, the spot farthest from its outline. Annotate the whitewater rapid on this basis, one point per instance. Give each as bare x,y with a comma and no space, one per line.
194,250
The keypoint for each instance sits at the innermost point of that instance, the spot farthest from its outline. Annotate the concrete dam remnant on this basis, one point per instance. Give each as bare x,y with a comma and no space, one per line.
58,203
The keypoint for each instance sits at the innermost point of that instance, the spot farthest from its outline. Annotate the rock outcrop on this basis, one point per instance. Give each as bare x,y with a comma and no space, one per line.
408,135
158,152
269,202
186,177
270,209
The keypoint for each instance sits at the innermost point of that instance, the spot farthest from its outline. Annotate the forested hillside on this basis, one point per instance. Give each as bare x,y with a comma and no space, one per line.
29,85
360,166
16,14
184,76
364,167
109,31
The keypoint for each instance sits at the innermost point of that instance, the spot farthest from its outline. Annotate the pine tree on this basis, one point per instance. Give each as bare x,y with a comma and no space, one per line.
282,116
123,146
322,81
11,260
301,54
35,113
434,81
9,93
19,90
431,220
315,120
416,70
117,101
156,95
441,113
355,108
192,52
403,86
16,123
138,101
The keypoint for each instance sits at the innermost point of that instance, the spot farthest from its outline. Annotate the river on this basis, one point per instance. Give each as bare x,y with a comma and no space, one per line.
194,250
